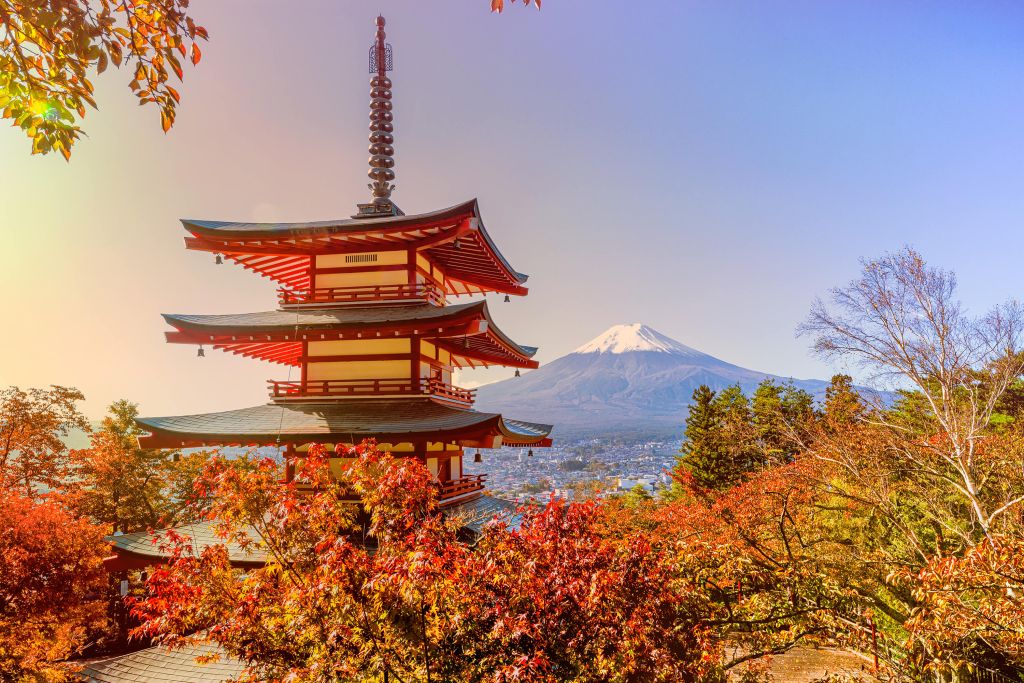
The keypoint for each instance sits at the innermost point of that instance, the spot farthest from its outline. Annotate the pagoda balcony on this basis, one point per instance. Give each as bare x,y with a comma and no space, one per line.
348,388
363,294
449,491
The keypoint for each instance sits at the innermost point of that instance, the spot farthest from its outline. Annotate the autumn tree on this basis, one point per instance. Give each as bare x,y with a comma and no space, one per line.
50,49
554,600
969,606
843,405
499,5
51,586
33,427
131,488
900,320
755,553
930,477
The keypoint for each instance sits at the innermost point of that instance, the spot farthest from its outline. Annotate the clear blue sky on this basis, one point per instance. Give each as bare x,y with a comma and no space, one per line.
704,167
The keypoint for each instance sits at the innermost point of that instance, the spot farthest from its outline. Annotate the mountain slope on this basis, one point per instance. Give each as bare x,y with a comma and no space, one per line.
631,380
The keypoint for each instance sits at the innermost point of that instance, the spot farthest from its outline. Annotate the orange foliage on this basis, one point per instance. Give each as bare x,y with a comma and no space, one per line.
51,587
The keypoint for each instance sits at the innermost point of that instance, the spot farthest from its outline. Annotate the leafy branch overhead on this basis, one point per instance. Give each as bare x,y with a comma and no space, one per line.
48,49
499,5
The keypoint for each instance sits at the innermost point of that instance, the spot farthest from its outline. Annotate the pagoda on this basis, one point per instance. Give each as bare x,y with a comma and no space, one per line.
364,326
369,338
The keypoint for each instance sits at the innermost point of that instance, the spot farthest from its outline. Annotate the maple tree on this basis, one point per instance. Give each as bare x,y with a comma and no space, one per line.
51,587
499,5
552,601
49,49
33,426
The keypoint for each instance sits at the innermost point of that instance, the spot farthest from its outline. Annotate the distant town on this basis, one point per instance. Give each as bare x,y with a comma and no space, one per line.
576,469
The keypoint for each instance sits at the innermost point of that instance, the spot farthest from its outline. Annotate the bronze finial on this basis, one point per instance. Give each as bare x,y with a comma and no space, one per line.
382,130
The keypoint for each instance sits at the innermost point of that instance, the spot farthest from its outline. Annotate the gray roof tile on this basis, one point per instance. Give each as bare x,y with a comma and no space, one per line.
202,535
348,419
477,513
160,665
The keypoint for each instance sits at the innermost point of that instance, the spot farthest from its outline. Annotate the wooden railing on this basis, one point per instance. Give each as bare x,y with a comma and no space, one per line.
461,486
362,294
452,393
370,387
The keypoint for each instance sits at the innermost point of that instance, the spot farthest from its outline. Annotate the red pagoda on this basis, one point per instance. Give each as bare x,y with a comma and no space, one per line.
370,341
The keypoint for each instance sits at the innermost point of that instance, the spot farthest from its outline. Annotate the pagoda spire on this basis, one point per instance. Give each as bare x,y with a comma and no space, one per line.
382,130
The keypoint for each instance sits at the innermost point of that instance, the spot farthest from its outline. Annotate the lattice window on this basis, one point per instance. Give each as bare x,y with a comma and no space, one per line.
360,258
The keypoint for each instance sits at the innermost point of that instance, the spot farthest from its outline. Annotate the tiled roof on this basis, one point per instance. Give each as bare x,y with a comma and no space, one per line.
350,420
330,318
202,535
350,317
160,665
475,514
254,231
246,229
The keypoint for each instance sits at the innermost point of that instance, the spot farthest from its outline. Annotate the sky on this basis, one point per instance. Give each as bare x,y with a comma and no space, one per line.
706,168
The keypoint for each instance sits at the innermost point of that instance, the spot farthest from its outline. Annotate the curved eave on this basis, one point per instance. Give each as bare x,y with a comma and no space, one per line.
282,251
520,433
276,336
246,231
349,421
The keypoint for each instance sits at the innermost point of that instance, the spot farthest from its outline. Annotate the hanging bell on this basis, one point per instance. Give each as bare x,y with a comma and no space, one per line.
507,299
219,260
517,372
200,353
529,453
478,457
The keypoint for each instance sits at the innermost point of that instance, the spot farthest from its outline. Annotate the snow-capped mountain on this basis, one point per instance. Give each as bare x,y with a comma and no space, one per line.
635,337
630,380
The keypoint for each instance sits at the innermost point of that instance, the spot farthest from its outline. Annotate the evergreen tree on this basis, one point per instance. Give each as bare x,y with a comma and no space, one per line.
799,415
736,435
769,423
782,416
717,452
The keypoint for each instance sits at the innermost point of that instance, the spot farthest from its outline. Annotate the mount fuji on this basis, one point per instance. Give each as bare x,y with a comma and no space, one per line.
631,381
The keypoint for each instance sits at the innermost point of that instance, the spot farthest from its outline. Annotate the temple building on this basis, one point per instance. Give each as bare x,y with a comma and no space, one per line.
368,341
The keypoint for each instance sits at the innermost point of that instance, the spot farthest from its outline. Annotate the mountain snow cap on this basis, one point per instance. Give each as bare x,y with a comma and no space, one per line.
635,337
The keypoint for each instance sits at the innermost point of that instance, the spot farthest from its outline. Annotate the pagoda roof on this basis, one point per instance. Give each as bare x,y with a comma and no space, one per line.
282,251
475,514
277,335
143,548
162,665
351,420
